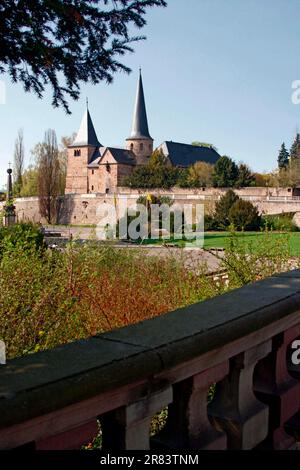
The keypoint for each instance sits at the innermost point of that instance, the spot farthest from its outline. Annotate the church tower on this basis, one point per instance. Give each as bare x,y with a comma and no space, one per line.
140,142
80,154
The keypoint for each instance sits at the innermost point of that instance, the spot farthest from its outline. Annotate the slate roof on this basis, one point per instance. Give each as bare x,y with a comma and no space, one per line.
96,157
86,134
140,128
184,155
122,155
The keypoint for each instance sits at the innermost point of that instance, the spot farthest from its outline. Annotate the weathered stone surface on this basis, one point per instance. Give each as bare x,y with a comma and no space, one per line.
70,440
133,369
188,425
235,408
81,179
128,428
45,381
279,390
215,322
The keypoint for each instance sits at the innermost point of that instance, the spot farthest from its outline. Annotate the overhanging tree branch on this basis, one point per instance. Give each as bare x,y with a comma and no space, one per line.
43,40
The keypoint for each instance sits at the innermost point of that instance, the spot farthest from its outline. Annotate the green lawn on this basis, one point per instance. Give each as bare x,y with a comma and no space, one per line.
219,239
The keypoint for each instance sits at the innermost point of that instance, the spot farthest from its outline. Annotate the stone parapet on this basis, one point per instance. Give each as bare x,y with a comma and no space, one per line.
240,341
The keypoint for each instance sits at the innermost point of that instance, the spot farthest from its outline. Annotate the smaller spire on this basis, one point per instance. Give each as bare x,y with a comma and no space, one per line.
86,134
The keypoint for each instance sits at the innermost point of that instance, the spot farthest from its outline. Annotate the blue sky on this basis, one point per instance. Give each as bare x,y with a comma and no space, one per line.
218,71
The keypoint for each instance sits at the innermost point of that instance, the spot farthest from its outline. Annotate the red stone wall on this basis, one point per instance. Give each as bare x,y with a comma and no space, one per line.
77,171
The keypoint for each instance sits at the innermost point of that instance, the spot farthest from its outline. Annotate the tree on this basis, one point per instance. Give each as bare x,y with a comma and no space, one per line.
48,164
65,142
291,175
18,167
30,182
225,173
139,178
263,179
223,207
158,173
243,215
200,175
197,143
245,176
79,41
283,157
295,149
158,160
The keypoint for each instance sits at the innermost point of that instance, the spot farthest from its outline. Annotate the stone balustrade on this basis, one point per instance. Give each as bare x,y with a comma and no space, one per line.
239,343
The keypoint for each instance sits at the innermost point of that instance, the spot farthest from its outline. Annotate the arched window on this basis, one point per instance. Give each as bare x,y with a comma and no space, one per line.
77,153
141,146
131,147
92,188
93,171
107,167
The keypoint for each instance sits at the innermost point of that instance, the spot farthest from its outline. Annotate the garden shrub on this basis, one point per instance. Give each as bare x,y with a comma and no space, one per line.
223,206
281,222
24,236
243,215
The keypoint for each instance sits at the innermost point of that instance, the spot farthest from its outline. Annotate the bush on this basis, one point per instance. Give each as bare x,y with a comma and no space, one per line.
176,223
250,261
282,222
164,177
24,236
49,297
210,223
223,207
61,296
244,216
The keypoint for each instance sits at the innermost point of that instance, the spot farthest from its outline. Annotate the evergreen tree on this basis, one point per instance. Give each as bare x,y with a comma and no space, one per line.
223,207
243,215
245,177
283,157
295,149
65,43
225,173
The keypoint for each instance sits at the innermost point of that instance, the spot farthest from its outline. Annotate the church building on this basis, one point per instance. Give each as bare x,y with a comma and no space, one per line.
95,168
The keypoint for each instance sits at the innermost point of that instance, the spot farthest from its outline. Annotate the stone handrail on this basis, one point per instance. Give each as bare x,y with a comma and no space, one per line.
239,341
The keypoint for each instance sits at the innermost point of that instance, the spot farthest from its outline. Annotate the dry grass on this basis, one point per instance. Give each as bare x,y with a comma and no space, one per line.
56,297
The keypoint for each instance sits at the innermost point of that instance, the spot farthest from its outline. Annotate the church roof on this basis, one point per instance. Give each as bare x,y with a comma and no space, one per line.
96,157
140,128
86,134
185,154
122,155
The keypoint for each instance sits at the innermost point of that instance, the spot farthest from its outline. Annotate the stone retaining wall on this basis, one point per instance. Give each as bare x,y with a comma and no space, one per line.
82,209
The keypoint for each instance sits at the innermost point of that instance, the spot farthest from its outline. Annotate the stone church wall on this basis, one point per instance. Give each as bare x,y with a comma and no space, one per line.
81,209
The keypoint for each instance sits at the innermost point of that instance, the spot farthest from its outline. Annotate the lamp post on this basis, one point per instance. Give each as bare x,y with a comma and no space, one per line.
9,217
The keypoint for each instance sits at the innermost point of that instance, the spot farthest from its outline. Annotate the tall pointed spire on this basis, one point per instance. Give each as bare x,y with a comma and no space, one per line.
86,134
140,128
